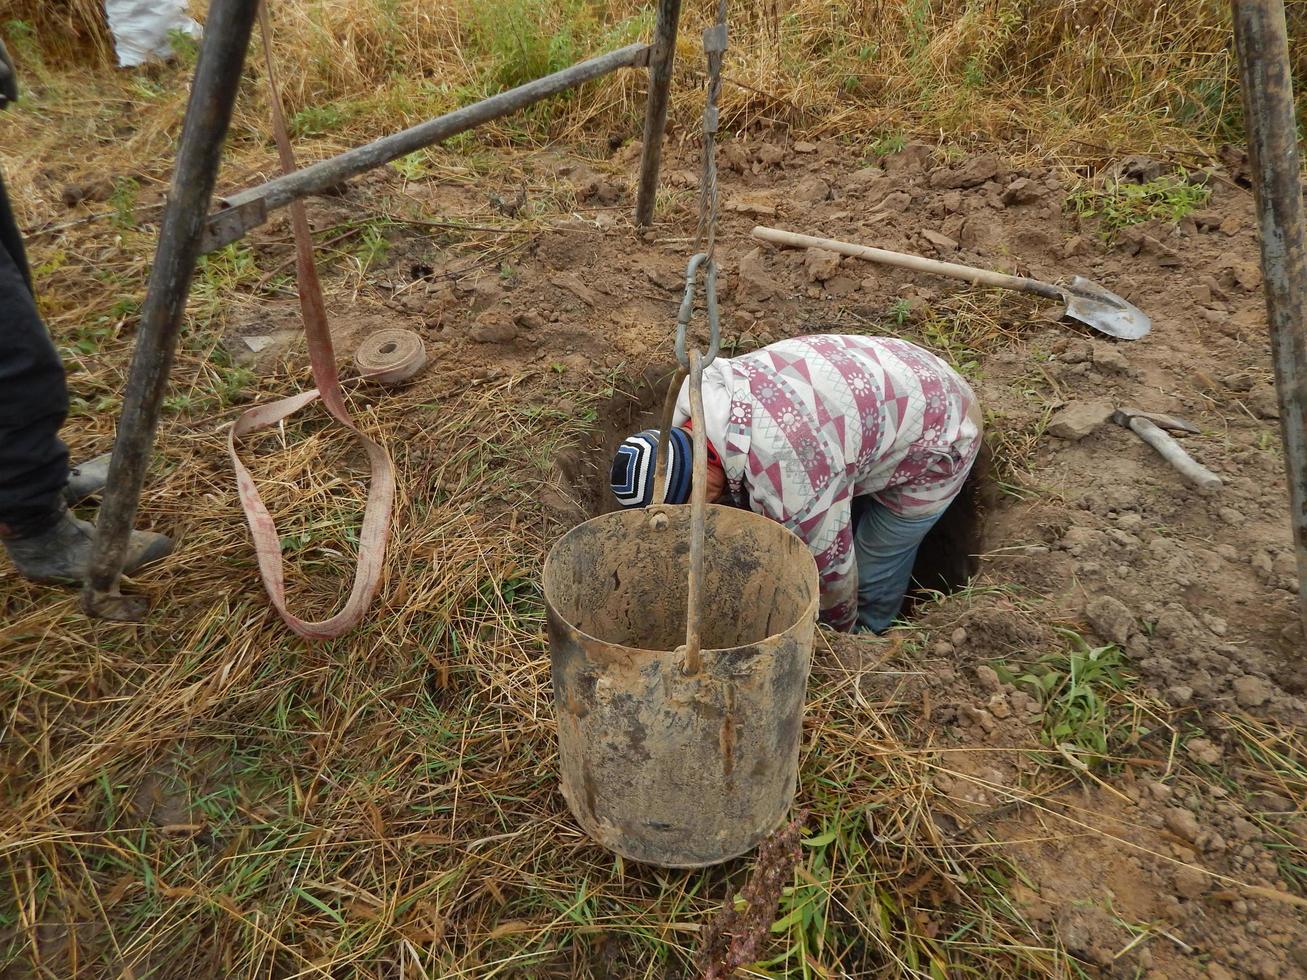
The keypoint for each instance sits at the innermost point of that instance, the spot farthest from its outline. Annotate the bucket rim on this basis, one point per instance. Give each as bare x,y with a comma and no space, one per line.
809,614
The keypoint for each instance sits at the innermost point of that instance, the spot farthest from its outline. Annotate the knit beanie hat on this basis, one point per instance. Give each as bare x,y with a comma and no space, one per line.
632,476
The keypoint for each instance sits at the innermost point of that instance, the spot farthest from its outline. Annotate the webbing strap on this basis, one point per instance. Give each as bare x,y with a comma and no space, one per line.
381,488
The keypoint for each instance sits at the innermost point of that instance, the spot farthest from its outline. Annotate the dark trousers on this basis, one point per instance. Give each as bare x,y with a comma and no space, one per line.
33,397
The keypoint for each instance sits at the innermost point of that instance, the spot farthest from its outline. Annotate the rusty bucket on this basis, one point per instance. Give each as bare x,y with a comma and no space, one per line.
661,767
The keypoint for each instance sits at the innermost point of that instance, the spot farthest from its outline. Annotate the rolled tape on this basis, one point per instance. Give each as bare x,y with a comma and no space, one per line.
390,357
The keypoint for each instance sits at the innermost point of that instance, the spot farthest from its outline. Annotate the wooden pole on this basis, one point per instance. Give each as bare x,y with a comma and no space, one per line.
1262,44
662,56
208,115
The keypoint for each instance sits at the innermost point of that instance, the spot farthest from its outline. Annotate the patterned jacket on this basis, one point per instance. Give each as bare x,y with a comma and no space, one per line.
804,426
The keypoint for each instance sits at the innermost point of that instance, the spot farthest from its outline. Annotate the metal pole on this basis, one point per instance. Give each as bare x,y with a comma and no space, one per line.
662,55
249,208
208,113
1262,44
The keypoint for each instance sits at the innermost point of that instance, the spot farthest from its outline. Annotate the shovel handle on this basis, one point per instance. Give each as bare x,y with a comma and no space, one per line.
1195,472
913,263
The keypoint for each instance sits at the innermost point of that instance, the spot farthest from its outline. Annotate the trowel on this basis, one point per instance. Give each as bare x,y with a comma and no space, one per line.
1084,301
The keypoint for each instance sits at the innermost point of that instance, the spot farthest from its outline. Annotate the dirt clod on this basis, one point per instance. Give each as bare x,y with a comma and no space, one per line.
898,201
529,320
1023,190
572,284
811,190
1108,358
494,328
1111,619
912,159
1080,418
1191,883
821,264
988,678
1264,402
757,284
942,243
1089,932
1182,823
1204,750
1251,692
973,172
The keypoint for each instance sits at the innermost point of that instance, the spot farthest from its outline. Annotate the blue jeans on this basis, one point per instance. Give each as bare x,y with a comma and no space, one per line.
886,546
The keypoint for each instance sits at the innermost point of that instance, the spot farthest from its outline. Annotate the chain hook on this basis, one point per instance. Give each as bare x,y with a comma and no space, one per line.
703,262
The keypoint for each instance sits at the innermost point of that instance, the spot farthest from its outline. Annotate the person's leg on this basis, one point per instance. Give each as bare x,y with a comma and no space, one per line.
886,546
11,240
43,540
33,399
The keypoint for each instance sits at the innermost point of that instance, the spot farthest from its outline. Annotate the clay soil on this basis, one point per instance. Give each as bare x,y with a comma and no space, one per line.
1175,849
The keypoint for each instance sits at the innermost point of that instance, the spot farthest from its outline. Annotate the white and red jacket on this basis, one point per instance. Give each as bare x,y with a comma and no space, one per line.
804,426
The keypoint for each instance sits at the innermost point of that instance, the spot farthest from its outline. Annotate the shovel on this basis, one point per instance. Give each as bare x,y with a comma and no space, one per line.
1083,300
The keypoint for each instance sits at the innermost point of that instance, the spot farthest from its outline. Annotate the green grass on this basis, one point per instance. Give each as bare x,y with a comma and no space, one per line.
123,201
220,383
1080,690
1119,204
414,166
221,273
373,246
318,120
512,36
521,40
889,143
900,312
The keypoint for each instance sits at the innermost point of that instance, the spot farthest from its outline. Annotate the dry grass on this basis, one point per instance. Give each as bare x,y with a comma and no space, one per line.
205,795
1063,77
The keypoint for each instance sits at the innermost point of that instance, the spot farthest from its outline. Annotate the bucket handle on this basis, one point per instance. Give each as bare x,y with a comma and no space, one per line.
698,500
691,363
698,519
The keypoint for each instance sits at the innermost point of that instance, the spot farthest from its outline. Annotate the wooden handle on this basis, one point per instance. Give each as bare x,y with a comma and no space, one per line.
913,263
698,520
1188,467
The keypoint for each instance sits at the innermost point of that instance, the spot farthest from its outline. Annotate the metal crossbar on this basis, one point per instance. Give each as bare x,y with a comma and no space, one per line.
248,209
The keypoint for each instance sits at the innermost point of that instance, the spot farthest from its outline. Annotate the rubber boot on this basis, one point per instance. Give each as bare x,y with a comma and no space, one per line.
62,554
87,480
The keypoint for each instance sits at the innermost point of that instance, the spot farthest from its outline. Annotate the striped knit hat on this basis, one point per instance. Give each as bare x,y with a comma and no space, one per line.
632,476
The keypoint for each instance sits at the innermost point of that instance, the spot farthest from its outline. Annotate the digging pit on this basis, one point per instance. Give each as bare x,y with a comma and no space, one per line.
948,557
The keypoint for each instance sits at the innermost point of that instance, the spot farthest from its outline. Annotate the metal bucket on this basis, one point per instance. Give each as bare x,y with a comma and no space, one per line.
660,767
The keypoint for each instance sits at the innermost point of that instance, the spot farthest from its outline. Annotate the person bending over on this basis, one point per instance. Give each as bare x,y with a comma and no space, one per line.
856,444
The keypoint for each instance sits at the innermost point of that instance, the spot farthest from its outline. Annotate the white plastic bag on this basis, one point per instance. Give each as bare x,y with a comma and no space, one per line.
141,28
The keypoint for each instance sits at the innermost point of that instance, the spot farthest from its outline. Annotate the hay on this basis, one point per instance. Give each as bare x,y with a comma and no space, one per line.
1129,71
205,795
63,32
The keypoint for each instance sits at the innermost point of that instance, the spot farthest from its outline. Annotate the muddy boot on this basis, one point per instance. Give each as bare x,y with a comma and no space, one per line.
87,480
62,553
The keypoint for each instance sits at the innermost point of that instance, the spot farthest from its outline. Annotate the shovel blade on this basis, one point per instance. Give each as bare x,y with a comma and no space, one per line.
1104,311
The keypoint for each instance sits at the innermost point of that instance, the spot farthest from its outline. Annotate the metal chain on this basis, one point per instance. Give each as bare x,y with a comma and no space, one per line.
714,47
